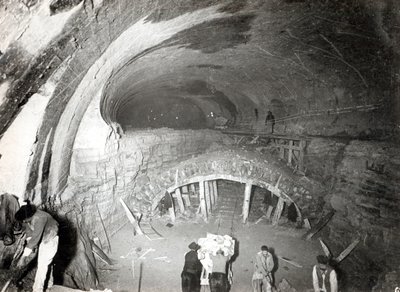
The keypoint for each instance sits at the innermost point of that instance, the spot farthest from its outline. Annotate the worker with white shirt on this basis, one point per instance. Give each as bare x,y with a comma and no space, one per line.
324,276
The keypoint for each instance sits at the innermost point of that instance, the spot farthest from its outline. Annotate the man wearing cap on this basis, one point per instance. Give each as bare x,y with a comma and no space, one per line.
192,270
41,232
263,266
324,276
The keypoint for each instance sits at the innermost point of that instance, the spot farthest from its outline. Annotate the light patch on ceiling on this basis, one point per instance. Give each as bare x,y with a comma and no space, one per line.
43,27
16,145
3,90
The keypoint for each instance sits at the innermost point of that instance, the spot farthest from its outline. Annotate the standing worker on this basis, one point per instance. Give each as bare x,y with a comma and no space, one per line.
191,270
271,119
263,266
324,276
218,277
41,232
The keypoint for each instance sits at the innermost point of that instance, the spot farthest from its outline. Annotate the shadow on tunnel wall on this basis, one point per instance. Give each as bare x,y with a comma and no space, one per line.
67,246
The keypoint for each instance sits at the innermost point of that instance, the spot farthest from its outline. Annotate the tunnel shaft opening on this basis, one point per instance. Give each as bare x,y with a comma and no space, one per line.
229,201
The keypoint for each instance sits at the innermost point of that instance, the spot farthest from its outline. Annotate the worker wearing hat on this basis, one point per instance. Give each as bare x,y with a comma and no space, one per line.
192,270
41,233
263,265
324,276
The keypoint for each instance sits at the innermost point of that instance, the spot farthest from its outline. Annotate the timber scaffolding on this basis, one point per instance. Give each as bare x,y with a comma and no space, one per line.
291,148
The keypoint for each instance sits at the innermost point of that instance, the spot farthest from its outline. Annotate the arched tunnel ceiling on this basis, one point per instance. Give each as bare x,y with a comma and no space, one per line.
285,56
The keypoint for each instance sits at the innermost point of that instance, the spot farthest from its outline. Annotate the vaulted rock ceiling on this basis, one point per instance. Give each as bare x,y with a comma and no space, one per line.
74,73
304,60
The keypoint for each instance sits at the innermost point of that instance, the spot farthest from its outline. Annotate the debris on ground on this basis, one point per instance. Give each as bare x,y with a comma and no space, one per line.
284,286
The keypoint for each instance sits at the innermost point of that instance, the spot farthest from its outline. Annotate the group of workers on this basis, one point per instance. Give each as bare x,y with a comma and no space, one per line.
324,276
41,231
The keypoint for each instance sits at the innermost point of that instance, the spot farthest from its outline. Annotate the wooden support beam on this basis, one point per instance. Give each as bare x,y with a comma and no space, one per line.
208,197
278,211
281,151
172,213
307,223
180,200
303,144
104,228
290,152
192,188
211,188
203,208
290,262
246,202
269,212
348,250
278,182
260,219
321,223
131,218
214,184
186,200
325,248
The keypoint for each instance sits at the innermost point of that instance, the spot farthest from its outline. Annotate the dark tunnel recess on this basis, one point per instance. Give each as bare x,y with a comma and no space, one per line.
174,100
158,112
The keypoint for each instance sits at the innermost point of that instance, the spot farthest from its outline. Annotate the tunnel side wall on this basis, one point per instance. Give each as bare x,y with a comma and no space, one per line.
364,188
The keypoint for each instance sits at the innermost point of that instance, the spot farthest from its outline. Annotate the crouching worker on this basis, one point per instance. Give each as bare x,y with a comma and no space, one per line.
41,233
218,277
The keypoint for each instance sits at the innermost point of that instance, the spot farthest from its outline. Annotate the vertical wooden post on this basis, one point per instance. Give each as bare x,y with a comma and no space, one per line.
203,207
281,149
246,202
180,200
211,187
207,195
192,188
214,184
172,213
302,145
290,152
269,212
185,189
278,211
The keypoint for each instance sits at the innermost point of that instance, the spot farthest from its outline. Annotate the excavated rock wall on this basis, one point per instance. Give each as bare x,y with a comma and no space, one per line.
363,181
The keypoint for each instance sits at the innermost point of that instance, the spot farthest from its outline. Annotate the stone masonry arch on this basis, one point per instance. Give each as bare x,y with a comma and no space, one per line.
262,170
248,181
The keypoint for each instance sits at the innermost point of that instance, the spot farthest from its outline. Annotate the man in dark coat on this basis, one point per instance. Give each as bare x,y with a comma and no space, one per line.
192,270
41,233
8,207
270,119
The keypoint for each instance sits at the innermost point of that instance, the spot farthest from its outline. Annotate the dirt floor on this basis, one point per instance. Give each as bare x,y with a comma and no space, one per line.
144,265
154,265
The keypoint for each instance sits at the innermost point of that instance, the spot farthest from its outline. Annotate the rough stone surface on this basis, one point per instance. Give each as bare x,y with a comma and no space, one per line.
363,181
146,165
327,69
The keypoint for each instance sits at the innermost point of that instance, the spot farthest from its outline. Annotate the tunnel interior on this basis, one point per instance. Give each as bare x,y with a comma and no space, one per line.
145,102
